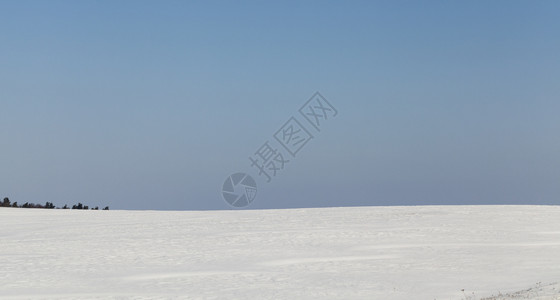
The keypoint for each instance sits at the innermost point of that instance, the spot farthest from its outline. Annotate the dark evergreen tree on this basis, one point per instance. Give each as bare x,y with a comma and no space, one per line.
48,205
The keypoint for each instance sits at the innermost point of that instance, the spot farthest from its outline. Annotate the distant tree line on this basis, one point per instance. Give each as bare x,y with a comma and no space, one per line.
48,205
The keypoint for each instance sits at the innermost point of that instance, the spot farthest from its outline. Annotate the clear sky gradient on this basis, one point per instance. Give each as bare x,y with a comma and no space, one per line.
153,104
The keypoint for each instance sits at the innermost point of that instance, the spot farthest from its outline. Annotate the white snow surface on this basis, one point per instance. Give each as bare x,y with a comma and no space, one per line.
422,252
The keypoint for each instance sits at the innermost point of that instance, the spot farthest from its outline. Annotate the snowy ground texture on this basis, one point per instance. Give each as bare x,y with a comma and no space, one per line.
429,252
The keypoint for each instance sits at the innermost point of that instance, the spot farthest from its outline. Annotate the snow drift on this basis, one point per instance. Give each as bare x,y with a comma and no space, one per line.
428,252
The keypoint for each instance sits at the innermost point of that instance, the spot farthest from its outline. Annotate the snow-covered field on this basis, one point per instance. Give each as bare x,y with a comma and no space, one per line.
429,252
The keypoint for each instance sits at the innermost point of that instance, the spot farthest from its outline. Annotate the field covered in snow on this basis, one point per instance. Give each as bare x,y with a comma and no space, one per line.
427,252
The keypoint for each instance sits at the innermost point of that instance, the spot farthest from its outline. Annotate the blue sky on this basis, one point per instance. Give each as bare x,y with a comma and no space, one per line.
153,104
